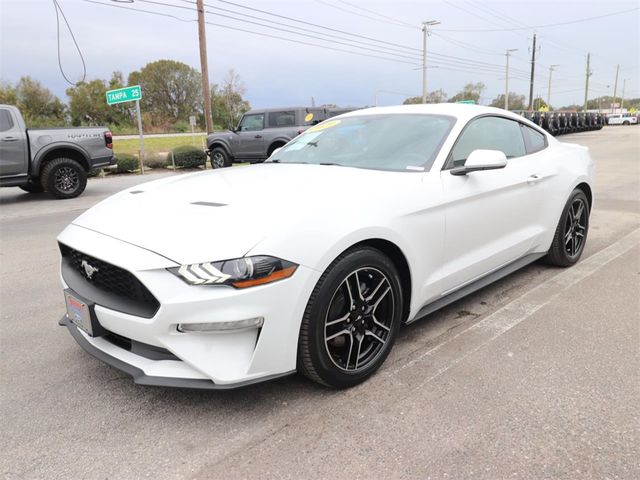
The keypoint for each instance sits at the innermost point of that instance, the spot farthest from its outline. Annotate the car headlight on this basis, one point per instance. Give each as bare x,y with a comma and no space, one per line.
239,273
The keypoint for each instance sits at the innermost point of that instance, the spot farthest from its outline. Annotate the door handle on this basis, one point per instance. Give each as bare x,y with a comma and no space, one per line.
533,179
9,139
258,136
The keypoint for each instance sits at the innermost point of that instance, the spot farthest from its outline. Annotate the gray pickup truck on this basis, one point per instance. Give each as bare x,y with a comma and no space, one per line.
55,160
260,132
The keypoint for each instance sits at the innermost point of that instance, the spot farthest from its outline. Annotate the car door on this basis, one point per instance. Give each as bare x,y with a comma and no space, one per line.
13,146
250,138
490,215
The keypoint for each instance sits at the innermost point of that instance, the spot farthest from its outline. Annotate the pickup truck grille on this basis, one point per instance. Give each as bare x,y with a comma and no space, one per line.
108,285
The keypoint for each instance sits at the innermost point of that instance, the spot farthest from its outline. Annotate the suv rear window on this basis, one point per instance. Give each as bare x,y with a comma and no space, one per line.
5,120
281,119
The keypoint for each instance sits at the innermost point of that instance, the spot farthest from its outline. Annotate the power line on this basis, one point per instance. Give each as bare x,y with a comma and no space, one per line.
378,14
466,61
300,42
392,22
58,8
587,19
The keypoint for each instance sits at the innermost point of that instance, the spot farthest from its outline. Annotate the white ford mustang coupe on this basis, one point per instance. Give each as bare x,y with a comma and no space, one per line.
313,260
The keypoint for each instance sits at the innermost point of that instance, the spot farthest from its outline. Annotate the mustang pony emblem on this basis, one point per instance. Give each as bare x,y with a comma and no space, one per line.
89,270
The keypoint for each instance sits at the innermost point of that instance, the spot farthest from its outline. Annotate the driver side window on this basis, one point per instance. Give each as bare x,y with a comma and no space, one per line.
252,122
488,133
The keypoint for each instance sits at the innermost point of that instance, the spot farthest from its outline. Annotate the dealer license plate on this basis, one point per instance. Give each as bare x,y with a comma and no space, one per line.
78,312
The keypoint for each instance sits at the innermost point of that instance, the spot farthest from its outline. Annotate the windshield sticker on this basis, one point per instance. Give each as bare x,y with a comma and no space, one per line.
309,117
324,125
302,141
417,169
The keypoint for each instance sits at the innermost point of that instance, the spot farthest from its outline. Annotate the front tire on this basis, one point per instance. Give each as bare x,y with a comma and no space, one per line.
220,158
351,320
571,233
64,178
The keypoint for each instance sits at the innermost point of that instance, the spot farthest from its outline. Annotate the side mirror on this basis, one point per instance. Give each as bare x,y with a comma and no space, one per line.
481,160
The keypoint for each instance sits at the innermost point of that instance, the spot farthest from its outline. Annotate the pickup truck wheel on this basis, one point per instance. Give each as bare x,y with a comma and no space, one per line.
220,158
64,178
33,187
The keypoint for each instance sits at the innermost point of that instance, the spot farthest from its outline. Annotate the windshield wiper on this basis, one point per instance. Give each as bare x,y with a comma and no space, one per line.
329,163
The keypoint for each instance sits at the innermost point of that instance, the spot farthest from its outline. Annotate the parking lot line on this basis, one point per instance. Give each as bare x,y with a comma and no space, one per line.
504,319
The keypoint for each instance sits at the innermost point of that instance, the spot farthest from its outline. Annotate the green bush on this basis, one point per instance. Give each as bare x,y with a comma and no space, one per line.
155,161
127,163
187,156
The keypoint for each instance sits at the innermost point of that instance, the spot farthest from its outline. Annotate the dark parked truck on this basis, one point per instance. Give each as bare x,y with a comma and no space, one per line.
55,160
260,132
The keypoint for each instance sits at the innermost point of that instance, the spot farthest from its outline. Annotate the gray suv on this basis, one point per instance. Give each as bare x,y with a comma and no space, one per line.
260,132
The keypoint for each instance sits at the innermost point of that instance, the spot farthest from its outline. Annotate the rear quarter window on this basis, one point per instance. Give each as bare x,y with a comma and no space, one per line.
535,141
281,119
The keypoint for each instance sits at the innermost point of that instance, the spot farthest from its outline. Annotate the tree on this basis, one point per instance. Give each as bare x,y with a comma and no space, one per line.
437,96
471,91
516,102
227,104
88,106
171,91
8,94
39,107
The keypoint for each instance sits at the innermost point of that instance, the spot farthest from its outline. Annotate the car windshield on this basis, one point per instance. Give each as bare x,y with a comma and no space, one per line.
397,142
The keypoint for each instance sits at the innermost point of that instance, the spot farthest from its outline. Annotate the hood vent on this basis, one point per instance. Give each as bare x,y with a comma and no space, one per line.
209,204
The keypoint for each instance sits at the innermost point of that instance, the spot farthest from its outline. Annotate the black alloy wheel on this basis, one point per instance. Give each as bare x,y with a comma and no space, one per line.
571,233
351,319
64,178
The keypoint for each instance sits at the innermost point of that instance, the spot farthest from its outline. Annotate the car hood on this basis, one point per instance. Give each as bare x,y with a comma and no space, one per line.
224,213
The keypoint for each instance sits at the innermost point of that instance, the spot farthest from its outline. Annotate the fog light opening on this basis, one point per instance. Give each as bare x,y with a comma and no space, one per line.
255,322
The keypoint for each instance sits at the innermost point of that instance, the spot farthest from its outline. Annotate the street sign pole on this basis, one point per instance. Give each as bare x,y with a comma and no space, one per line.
141,151
132,93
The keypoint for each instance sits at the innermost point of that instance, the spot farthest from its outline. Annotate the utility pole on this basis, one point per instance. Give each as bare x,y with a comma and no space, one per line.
533,71
425,34
586,85
506,82
551,67
624,83
204,67
615,89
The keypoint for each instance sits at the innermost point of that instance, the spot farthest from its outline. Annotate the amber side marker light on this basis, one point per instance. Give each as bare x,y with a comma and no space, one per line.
274,277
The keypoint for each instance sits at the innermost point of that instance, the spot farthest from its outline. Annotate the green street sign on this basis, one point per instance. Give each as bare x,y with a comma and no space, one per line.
467,102
126,94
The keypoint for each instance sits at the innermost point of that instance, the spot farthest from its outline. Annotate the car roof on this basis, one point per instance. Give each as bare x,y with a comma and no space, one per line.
458,110
282,109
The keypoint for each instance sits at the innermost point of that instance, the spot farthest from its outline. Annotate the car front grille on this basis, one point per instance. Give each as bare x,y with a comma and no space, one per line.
107,285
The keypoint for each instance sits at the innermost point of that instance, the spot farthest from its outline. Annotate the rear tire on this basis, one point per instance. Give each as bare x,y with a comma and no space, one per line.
571,233
220,158
64,178
351,320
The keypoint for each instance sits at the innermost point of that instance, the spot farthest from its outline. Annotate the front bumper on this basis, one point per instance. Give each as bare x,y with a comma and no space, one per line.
199,359
141,378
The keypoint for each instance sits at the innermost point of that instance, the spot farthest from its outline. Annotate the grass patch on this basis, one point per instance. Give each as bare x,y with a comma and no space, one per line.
156,144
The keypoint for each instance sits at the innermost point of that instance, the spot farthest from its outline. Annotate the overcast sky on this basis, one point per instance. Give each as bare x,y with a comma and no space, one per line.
279,73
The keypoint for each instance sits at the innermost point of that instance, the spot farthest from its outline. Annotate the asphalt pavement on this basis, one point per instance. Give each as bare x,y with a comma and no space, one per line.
536,376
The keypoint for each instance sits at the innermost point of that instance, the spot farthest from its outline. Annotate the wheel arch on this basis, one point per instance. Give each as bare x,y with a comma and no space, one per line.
399,259
59,151
586,188
276,143
220,144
